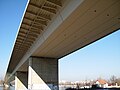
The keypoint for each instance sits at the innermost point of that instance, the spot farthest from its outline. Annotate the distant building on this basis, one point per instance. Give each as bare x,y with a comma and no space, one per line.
102,83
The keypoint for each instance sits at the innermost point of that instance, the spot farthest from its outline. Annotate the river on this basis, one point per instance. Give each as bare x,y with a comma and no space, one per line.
11,88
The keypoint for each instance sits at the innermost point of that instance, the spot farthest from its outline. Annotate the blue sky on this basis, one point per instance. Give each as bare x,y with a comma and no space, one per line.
11,12
100,59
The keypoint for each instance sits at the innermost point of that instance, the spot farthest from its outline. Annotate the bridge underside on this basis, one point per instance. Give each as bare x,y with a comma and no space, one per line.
88,23
77,24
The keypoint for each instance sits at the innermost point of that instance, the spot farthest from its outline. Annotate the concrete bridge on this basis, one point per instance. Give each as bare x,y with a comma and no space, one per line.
52,29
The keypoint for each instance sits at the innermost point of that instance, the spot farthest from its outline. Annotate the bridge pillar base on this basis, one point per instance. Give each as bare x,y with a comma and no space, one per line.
21,80
43,74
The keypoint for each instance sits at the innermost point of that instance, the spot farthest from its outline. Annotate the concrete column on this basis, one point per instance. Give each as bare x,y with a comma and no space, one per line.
43,74
21,80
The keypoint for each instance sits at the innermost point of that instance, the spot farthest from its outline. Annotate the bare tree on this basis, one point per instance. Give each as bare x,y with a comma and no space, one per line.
113,80
1,81
118,81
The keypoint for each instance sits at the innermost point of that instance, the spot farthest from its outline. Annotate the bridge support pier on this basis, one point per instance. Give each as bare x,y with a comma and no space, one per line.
21,80
43,74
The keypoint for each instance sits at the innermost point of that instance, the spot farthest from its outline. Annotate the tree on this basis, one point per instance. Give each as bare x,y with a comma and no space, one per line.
113,80
1,81
118,81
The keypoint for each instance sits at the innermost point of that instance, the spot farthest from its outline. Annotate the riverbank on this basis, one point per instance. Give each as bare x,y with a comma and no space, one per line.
94,89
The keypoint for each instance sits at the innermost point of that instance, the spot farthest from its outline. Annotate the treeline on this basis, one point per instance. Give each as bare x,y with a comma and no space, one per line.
94,89
113,80
1,81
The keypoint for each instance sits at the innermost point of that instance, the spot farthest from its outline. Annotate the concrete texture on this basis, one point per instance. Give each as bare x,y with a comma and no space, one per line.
21,81
43,73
